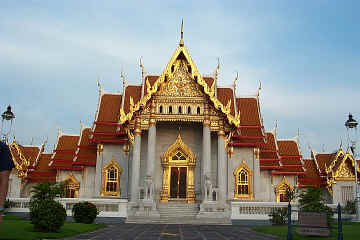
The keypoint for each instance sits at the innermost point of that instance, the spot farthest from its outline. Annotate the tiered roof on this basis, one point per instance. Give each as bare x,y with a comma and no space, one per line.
86,152
64,153
106,126
290,158
269,153
41,171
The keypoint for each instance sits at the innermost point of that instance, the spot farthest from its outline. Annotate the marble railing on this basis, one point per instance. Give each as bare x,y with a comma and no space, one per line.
106,207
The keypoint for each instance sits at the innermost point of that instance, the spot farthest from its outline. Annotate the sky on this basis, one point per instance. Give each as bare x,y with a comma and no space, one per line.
305,53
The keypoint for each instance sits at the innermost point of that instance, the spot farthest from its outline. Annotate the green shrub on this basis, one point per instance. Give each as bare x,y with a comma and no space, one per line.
278,216
46,214
84,212
8,204
350,207
311,200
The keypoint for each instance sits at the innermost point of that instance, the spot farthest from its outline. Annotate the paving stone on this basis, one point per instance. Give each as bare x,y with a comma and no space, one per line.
173,232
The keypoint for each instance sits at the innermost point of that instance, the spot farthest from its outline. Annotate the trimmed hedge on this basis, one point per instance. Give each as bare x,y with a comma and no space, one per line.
84,212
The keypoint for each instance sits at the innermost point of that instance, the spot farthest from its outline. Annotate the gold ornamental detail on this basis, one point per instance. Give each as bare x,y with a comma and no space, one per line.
178,155
167,73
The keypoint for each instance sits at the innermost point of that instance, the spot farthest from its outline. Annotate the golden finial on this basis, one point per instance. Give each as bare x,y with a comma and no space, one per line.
259,89
182,34
98,83
218,65
236,78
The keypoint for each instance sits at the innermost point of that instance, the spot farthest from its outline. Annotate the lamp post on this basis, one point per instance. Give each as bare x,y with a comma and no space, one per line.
7,116
351,126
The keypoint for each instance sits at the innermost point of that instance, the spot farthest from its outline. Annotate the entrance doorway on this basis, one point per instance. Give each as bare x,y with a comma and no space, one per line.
178,163
178,182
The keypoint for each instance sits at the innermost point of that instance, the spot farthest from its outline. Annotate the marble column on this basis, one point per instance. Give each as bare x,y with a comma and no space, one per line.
151,145
135,164
222,165
206,150
150,161
256,176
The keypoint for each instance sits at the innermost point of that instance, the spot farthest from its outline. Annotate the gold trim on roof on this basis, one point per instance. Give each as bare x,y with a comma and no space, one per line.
23,165
210,91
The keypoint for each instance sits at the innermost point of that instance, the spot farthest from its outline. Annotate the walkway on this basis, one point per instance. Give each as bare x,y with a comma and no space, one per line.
174,232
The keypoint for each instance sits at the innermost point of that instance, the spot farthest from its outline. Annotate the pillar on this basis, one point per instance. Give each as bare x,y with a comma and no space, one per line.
150,163
222,164
135,164
206,148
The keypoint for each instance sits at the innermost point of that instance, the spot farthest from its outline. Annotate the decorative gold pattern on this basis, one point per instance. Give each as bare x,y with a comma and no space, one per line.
72,185
188,161
21,166
168,71
180,84
281,188
110,165
240,170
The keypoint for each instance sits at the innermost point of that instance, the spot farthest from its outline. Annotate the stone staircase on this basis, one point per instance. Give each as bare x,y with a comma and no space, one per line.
178,213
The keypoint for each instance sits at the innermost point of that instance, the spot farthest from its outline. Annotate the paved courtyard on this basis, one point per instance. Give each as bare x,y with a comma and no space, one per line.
173,232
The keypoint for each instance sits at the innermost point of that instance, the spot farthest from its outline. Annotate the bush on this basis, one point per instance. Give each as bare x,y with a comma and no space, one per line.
279,216
46,214
311,200
84,212
8,204
350,207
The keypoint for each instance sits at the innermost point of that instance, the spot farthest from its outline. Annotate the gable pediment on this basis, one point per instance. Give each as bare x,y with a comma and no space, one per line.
180,83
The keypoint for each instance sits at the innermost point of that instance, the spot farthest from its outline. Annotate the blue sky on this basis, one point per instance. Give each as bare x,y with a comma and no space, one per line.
306,54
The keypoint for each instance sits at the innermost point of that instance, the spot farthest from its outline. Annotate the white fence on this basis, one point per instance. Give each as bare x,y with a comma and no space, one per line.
106,207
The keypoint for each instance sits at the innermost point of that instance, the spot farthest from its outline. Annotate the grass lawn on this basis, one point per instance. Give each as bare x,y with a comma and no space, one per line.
21,229
351,230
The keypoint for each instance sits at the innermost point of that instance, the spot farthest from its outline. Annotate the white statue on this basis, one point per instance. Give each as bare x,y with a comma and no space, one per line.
208,189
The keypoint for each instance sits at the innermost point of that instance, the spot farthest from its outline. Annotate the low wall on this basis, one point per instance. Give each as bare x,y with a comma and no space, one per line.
107,207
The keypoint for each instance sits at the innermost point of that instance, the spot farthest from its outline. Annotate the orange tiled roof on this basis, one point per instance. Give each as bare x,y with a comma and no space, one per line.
42,172
135,93
86,150
106,123
290,157
225,95
64,153
30,152
250,130
324,160
269,156
312,176
209,81
151,79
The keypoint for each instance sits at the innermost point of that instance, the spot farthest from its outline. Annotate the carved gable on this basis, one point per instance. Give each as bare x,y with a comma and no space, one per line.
180,83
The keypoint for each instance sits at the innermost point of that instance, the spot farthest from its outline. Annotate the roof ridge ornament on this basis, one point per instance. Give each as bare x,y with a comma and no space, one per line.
181,43
259,89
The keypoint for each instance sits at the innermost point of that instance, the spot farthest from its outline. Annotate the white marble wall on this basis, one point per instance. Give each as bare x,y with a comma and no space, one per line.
14,185
240,154
166,134
88,180
337,192
111,151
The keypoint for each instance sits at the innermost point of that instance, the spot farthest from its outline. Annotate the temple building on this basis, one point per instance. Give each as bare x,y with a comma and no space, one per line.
180,139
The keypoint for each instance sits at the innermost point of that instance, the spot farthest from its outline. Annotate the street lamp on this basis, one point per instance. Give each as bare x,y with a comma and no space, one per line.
7,116
351,126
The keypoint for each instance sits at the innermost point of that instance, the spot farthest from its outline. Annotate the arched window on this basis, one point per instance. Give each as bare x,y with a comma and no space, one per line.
72,187
111,179
189,110
243,188
280,190
180,110
198,110
170,110
243,183
161,109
